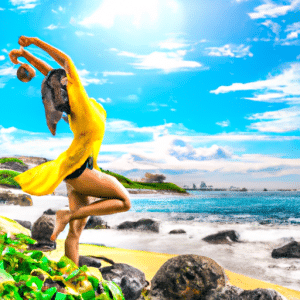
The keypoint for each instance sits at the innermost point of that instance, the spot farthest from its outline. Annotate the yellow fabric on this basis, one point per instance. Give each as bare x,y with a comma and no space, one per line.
87,122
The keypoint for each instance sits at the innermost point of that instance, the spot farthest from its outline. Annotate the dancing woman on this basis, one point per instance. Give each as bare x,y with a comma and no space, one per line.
62,91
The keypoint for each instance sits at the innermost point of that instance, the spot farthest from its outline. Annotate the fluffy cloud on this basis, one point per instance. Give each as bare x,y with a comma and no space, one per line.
51,27
224,123
6,73
230,50
284,87
273,10
86,79
81,33
24,4
172,43
275,27
294,30
165,61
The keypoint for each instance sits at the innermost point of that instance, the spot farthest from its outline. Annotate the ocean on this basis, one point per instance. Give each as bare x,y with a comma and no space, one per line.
270,207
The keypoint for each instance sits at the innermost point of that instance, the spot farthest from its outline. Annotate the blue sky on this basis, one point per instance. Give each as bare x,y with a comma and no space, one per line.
196,90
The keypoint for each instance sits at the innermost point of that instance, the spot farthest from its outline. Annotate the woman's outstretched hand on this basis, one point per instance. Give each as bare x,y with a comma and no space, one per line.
25,41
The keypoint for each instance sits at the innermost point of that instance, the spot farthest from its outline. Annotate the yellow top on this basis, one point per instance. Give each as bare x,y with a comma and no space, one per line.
87,122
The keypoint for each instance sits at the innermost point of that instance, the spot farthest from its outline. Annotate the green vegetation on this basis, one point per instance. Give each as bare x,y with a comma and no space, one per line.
144,185
7,177
8,159
29,274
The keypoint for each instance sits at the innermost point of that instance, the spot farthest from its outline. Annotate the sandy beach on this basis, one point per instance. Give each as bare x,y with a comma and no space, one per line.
251,256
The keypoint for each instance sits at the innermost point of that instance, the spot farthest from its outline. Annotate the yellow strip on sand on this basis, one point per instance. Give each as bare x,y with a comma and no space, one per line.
150,262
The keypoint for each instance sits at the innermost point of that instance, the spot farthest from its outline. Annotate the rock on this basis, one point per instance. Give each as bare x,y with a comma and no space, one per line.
177,231
42,230
261,294
16,199
188,277
50,211
291,250
89,261
142,224
229,292
96,222
131,280
15,166
26,224
223,237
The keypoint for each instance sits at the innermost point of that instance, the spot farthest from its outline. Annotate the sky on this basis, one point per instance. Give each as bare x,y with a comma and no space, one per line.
195,90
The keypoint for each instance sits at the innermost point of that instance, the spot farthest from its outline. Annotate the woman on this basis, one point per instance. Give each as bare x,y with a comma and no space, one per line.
78,164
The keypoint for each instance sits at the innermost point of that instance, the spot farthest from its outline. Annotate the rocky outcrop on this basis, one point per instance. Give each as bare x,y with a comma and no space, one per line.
96,222
291,250
177,231
261,294
223,237
186,277
32,160
15,166
142,224
26,224
229,292
50,211
42,230
89,261
16,199
131,280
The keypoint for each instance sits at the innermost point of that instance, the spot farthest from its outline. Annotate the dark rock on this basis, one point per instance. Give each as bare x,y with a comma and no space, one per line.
50,212
89,261
261,294
16,199
142,224
15,166
223,237
43,246
188,277
229,292
131,280
42,230
177,231
96,222
26,224
291,250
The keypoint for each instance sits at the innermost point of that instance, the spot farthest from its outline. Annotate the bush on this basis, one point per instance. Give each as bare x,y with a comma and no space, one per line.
8,159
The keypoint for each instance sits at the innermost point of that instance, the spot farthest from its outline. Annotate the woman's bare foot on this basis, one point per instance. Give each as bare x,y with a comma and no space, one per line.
62,219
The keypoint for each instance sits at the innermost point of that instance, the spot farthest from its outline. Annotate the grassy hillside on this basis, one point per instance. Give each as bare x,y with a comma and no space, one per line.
6,177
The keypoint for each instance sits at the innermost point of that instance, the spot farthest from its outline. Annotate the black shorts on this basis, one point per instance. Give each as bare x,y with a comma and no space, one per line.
87,164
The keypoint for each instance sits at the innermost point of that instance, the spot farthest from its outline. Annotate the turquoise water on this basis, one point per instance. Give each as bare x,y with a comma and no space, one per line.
262,207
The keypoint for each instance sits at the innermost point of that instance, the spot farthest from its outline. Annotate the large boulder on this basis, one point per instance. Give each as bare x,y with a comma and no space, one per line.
16,199
177,231
188,277
42,230
229,292
96,222
222,237
131,280
142,224
291,250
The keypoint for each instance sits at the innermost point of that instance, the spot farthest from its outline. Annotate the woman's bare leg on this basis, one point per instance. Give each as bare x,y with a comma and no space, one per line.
76,201
97,184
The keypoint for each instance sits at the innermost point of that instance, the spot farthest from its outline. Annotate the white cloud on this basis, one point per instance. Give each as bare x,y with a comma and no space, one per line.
1,8
284,87
116,73
172,43
298,57
86,78
272,10
275,27
81,33
294,30
6,73
230,50
283,120
54,11
165,61
107,100
224,123
24,4
132,98
2,57
51,27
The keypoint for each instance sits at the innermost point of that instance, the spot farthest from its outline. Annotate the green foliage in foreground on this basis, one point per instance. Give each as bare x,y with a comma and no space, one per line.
7,177
8,159
144,185
29,274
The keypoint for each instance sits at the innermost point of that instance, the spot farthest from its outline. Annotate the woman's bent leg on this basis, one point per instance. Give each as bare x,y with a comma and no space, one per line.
94,183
